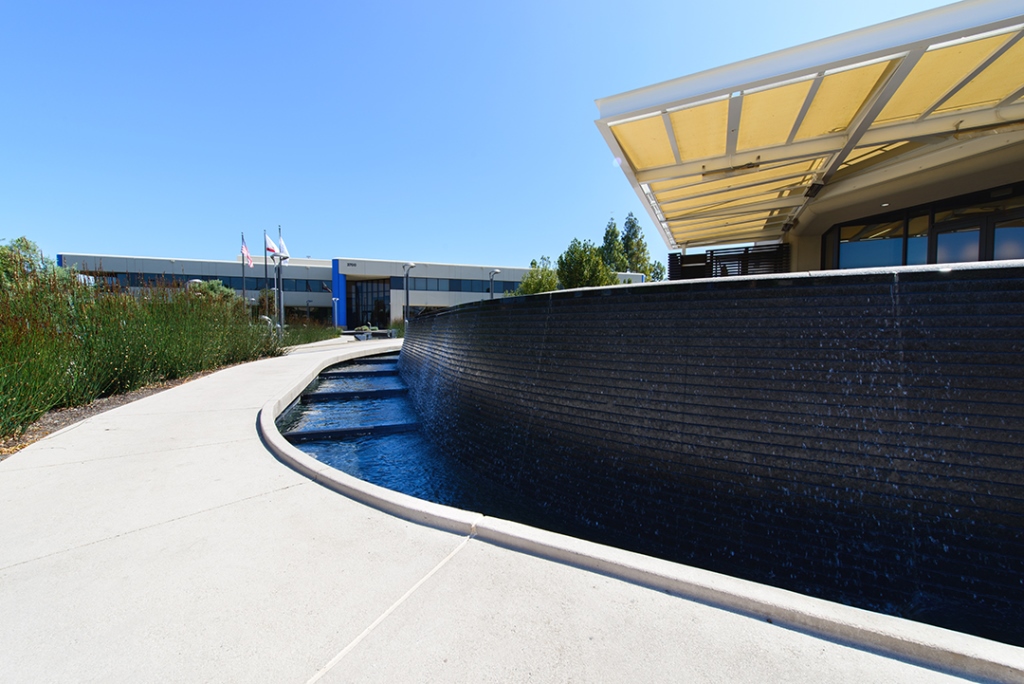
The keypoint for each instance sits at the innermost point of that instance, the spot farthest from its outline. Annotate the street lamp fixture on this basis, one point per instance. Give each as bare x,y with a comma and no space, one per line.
494,272
408,267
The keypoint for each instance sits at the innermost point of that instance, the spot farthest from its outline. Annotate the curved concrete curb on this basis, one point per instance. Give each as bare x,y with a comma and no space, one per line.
396,503
918,643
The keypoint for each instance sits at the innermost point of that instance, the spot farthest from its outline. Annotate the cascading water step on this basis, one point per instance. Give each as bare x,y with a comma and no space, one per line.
353,395
299,436
379,360
359,374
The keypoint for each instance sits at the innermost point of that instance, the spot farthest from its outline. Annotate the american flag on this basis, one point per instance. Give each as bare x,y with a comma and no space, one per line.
245,251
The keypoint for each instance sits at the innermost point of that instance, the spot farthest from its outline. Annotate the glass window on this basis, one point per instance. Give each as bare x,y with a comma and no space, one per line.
871,244
368,302
998,200
978,226
1009,240
957,245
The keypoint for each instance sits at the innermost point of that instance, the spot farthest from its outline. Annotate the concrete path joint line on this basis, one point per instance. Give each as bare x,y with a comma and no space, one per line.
394,606
149,527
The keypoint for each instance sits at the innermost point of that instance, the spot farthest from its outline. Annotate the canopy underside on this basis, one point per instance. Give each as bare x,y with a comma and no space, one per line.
743,162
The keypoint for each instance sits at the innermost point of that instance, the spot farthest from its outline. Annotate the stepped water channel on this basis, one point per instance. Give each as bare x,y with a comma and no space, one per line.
357,417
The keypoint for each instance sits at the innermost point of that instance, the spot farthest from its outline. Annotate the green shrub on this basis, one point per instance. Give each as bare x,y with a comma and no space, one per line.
65,343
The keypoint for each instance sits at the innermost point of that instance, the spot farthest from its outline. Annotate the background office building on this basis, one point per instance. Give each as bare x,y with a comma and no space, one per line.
374,290
349,292
306,283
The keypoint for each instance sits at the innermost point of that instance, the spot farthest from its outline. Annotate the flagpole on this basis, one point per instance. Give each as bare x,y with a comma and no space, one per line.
280,288
243,278
267,307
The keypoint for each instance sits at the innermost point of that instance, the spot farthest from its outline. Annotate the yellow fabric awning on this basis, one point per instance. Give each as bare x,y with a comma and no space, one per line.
741,161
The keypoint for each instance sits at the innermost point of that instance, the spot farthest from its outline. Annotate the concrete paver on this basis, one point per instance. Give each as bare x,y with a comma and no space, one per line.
164,541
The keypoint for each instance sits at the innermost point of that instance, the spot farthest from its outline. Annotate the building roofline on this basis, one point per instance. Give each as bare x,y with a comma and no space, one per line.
401,262
293,261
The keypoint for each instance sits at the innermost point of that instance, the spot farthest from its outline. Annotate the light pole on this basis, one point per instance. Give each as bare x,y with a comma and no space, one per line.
494,272
408,267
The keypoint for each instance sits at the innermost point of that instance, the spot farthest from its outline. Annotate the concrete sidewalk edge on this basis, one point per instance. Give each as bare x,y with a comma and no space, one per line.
918,643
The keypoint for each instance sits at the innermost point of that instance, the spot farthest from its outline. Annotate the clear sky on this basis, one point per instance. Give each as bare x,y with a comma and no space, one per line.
433,131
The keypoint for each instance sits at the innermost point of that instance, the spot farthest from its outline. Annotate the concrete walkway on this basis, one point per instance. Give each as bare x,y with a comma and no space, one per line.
164,541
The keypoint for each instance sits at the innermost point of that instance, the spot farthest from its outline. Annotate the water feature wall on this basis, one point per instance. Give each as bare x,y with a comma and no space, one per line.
853,435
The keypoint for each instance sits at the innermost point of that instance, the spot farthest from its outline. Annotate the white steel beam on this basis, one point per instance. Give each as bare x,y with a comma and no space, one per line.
870,111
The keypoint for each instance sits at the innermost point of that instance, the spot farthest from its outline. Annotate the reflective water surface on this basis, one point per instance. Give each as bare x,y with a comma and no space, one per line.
406,462
348,414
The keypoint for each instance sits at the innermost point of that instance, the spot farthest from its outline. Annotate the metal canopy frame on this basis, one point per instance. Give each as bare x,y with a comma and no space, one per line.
738,153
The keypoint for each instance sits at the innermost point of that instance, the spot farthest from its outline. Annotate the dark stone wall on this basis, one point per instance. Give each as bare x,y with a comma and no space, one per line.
856,436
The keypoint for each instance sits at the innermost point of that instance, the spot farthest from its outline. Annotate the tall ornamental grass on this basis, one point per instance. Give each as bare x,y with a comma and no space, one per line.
305,333
65,343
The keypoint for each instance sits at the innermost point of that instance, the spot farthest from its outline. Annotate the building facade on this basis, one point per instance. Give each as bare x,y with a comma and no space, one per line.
349,292
375,290
901,143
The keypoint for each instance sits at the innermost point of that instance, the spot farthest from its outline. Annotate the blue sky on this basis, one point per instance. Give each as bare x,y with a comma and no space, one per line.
445,131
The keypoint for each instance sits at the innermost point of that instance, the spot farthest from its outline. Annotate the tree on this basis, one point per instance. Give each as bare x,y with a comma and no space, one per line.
21,257
638,259
581,265
213,289
612,253
540,278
